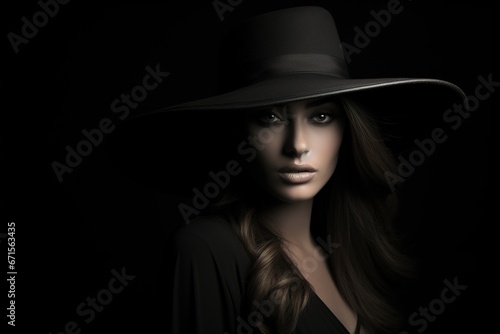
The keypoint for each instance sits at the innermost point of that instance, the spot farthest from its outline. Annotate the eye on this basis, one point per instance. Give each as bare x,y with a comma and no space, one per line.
269,117
323,117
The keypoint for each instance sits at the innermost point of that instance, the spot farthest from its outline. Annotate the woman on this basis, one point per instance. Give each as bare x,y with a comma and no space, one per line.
301,240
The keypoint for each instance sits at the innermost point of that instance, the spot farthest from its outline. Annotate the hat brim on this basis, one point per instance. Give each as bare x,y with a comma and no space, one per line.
293,87
192,137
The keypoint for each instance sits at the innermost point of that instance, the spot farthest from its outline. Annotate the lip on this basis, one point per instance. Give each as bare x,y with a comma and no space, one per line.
297,174
297,169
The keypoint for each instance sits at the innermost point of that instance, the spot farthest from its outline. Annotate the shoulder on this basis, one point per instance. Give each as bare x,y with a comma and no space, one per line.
209,230
208,278
206,225
209,236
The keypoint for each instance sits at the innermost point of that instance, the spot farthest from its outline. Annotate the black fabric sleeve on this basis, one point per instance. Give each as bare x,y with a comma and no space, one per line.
209,269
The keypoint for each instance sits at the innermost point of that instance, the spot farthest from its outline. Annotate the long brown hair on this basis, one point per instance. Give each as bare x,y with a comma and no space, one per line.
355,210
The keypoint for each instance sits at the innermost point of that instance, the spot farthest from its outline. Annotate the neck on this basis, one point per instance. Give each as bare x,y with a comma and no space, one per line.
291,220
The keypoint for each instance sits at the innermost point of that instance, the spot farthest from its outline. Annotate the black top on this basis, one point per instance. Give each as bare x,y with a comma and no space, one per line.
210,268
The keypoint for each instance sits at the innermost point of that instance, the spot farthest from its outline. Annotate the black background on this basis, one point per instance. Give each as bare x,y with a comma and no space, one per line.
109,213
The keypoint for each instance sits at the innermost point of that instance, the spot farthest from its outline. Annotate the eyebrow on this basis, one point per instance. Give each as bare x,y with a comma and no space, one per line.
319,102
310,104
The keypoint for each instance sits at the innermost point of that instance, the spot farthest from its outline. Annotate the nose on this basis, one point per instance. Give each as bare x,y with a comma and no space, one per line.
296,144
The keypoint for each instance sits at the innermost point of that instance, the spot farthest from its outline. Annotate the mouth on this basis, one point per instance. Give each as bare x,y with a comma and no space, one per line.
297,174
298,169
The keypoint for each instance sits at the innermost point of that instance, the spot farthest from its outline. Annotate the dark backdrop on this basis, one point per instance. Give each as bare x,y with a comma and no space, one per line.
115,212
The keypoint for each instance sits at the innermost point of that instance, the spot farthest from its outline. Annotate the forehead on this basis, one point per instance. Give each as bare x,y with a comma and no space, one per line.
299,106
311,103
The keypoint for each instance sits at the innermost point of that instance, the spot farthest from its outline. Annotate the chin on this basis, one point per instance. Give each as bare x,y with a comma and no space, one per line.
296,193
288,193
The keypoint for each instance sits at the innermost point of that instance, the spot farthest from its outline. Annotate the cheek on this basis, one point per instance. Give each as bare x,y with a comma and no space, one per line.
267,158
268,144
270,137
327,147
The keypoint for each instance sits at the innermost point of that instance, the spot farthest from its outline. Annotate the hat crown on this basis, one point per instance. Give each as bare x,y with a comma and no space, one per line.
293,40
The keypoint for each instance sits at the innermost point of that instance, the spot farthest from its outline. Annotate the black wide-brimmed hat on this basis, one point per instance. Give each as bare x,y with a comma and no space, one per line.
294,54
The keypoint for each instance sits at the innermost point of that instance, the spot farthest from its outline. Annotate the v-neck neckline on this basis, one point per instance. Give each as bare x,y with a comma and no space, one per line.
334,317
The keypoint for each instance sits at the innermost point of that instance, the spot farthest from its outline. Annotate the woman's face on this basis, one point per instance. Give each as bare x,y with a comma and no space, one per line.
296,147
